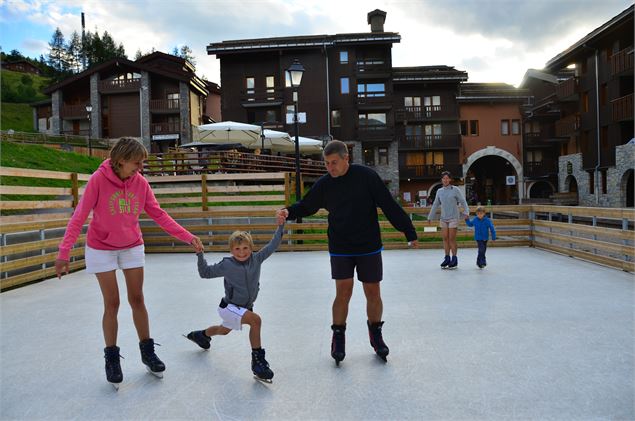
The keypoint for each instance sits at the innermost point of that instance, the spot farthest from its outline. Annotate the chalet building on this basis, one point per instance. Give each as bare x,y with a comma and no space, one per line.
211,110
21,66
426,128
157,99
597,156
346,90
491,146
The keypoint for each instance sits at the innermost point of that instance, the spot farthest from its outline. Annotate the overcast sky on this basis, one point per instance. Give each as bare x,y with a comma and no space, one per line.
493,40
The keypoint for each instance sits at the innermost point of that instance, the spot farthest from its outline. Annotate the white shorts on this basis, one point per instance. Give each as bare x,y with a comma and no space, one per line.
98,261
232,316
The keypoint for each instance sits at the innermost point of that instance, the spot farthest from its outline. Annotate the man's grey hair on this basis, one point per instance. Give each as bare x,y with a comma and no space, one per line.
336,147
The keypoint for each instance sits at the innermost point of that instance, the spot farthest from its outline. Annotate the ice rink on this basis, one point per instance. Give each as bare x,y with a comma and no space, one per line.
535,335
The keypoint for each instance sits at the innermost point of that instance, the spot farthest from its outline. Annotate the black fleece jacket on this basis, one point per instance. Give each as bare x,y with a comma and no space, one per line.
352,201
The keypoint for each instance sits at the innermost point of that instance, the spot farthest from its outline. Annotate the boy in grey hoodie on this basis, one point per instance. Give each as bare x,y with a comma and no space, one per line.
241,274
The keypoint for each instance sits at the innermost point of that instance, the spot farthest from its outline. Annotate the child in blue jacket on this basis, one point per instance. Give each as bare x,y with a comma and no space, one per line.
482,225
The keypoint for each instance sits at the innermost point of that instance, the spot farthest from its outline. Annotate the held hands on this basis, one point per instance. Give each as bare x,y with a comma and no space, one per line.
197,244
61,265
281,216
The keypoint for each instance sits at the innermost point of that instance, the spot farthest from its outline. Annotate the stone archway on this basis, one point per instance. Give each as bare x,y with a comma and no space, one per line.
540,189
492,151
626,186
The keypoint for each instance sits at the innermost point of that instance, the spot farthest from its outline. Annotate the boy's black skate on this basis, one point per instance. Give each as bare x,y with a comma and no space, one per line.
338,343
446,262
454,262
154,365
260,366
113,366
199,338
376,339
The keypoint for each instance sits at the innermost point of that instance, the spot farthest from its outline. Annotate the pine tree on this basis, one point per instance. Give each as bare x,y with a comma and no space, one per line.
57,55
186,53
75,52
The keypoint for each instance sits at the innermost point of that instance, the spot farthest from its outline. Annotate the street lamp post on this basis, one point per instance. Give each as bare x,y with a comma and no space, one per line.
295,72
89,109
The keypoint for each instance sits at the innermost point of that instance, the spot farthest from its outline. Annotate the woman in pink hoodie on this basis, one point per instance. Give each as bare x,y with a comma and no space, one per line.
117,194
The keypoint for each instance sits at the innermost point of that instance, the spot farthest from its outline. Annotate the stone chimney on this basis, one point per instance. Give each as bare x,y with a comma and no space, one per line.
376,20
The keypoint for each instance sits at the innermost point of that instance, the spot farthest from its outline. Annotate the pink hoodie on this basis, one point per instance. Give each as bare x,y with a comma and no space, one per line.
116,206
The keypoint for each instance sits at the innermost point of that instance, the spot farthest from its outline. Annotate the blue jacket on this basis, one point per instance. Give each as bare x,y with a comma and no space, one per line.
481,227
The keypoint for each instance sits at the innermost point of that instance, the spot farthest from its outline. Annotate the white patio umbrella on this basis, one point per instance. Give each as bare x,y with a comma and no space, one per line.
227,132
307,146
272,140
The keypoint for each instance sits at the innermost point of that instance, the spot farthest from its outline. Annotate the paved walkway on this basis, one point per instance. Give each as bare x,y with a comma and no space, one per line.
533,336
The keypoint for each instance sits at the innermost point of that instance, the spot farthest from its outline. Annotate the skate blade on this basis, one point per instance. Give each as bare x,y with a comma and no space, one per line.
157,374
268,381
115,386
194,342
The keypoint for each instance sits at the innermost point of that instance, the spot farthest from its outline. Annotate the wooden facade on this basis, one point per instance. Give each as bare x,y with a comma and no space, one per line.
157,99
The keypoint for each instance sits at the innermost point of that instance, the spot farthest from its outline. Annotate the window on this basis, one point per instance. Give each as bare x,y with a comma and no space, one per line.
463,125
383,155
534,156
431,103
250,84
413,132
287,80
434,158
173,101
412,101
432,130
415,158
270,87
271,116
473,127
372,120
335,118
516,127
585,102
343,57
344,89
365,90
504,127
603,175
369,157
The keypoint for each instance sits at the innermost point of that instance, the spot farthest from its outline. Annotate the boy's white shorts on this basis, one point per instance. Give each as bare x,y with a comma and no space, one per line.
98,261
232,316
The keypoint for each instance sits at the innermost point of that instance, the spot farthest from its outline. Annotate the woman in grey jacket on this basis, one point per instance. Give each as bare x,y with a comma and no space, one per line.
449,197
241,274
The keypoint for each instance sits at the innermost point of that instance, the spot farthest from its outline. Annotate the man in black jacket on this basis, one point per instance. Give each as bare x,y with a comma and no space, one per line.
351,194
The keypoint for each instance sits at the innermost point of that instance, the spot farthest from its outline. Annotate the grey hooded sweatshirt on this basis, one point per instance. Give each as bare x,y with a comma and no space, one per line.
242,279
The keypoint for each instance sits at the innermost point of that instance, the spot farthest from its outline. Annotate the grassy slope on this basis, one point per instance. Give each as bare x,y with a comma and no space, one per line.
19,116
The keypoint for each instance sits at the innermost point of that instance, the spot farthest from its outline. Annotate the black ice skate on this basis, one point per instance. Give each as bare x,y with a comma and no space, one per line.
445,263
113,367
199,338
376,339
454,263
154,365
338,343
260,366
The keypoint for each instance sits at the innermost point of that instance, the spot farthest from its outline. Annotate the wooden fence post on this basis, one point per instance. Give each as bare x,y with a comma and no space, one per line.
204,191
75,189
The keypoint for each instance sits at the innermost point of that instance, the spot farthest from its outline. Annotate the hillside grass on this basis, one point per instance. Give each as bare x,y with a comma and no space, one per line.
18,117
25,87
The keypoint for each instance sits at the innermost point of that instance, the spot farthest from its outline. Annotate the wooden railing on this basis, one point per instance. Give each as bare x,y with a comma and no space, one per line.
74,111
622,61
165,105
428,112
568,125
567,89
212,206
437,141
622,108
67,142
192,162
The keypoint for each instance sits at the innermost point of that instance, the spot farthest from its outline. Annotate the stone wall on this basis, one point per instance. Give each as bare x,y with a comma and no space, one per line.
144,98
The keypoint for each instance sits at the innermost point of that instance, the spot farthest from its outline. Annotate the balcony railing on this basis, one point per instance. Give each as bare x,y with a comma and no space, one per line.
74,111
568,89
119,85
372,66
418,142
262,95
622,108
367,99
165,105
568,125
622,61
427,112
383,133
540,168
164,128
428,171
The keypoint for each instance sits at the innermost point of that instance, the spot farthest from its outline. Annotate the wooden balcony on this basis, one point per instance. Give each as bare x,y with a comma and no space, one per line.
568,126
426,113
622,61
622,108
118,85
375,133
74,112
164,128
419,142
372,68
540,168
568,89
165,105
419,172
263,97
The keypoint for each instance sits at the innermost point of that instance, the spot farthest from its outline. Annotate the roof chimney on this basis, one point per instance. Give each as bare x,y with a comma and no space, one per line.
376,20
